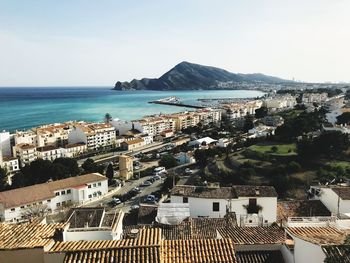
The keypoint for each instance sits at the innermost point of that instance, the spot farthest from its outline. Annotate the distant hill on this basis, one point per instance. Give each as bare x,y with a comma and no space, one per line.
189,76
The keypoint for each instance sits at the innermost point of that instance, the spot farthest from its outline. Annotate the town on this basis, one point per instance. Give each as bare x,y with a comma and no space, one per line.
255,180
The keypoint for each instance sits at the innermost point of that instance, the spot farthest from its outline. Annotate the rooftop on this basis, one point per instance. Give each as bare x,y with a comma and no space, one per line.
18,236
301,208
40,192
254,235
224,192
339,253
46,148
92,217
134,141
319,235
259,256
198,251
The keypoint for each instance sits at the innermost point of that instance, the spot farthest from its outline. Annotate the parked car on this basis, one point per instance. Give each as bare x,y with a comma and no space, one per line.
188,171
146,183
156,177
150,199
136,190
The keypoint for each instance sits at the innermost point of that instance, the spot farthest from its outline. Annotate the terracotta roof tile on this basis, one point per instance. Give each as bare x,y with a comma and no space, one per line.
301,208
39,192
198,251
319,235
339,253
254,235
257,256
13,236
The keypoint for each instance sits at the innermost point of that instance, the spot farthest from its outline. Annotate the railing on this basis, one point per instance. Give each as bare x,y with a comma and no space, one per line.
312,219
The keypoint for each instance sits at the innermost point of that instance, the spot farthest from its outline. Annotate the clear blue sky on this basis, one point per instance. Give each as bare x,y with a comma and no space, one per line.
82,42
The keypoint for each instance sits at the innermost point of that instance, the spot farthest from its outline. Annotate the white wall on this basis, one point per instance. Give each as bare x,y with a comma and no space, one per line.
330,199
204,207
122,126
88,234
5,143
288,256
306,252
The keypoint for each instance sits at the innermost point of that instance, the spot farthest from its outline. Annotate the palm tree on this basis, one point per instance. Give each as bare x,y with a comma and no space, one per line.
108,117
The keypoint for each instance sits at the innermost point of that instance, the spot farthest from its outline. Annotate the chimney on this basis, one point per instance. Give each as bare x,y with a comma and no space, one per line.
257,192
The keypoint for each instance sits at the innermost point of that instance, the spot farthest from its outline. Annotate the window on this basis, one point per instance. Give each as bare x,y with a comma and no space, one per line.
68,191
22,206
99,184
185,200
90,196
95,194
57,193
216,206
94,185
89,186
13,209
49,201
58,205
63,203
63,192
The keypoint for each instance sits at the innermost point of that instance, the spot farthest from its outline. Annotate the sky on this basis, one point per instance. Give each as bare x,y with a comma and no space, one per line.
96,43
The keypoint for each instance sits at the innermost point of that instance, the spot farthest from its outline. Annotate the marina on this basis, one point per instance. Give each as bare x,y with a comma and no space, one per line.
175,101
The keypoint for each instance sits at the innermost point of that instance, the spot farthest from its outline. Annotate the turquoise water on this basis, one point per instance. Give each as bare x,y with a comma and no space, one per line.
23,108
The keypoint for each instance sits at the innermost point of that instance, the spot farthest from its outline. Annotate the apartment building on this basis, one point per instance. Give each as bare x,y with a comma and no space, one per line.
53,134
9,163
155,125
15,204
74,150
50,152
314,97
5,144
94,135
238,110
26,153
25,137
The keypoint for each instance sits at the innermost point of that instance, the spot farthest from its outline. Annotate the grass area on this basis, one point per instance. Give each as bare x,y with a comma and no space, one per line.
342,164
280,149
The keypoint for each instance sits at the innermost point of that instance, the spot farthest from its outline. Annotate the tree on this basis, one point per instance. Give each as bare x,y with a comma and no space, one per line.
108,118
70,164
248,123
37,210
90,166
110,172
261,112
168,161
3,179
344,118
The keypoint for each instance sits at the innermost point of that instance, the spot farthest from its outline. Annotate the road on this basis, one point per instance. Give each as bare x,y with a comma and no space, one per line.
108,157
125,207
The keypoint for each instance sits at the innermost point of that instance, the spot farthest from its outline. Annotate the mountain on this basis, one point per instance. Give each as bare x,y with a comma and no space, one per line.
189,76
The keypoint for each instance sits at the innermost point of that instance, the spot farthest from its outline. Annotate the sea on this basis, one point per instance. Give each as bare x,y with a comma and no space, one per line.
24,108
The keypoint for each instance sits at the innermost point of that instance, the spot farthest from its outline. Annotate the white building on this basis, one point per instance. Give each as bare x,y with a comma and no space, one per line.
185,157
202,141
16,204
335,198
25,137
261,131
94,135
74,150
50,152
11,164
309,243
154,125
26,153
253,205
314,97
93,223
5,143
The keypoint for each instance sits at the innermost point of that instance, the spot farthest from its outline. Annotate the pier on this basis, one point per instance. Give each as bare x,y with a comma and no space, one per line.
174,101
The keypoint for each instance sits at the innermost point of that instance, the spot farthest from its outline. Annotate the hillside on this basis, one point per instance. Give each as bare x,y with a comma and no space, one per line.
189,76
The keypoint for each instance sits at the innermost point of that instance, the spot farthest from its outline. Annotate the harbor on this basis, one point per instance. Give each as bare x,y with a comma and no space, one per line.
175,101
